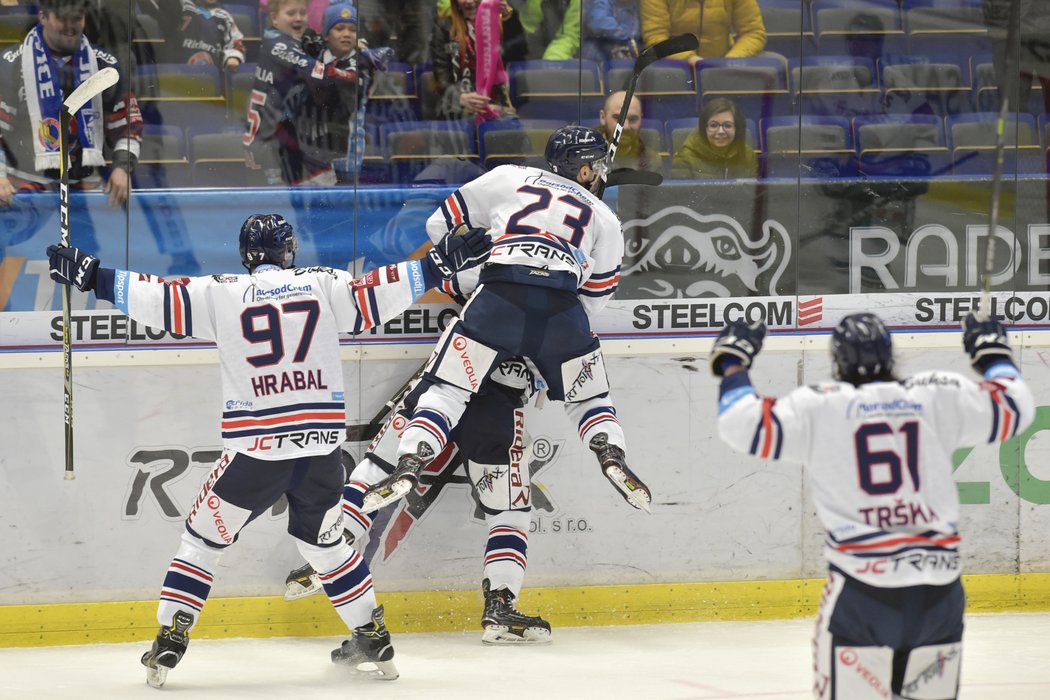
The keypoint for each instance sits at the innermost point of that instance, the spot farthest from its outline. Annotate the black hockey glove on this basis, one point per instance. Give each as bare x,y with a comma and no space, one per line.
737,344
985,341
70,266
312,43
459,250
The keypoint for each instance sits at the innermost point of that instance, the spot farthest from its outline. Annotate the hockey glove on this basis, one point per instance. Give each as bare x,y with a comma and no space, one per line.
312,43
737,344
376,59
459,250
70,266
986,342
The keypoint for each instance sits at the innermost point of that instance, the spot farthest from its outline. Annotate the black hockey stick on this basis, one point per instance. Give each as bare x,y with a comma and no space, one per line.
84,93
1010,79
365,432
667,47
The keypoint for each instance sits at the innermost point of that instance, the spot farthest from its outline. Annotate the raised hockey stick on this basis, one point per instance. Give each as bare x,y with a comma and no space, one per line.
663,49
1010,81
84,93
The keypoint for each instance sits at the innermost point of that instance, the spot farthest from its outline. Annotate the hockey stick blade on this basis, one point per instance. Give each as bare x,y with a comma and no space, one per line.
362,432
679,43
87,90
629,176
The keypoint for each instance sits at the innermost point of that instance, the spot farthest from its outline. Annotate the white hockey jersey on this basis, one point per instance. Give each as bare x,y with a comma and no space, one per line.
880,461
542,220
277,336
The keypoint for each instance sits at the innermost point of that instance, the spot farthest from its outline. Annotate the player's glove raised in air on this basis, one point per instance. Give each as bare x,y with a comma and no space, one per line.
986,342
737,344
459,250
71,266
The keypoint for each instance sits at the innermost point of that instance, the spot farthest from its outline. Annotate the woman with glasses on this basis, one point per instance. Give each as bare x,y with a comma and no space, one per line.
718,148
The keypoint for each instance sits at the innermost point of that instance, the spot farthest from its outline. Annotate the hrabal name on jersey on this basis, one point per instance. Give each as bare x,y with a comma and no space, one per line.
296,380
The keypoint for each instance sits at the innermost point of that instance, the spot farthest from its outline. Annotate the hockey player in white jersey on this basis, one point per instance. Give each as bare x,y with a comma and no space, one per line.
555,263
878,451
276,330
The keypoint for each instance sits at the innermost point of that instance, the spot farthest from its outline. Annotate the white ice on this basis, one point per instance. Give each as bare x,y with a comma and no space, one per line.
1005,657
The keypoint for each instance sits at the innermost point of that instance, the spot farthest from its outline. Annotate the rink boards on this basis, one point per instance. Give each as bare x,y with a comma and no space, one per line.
729,537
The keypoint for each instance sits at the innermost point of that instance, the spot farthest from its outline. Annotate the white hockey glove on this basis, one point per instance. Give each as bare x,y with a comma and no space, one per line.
737,344
71,266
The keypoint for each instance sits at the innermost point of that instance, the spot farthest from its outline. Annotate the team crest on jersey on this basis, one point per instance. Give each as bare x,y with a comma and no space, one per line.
680,253
369,279
47,133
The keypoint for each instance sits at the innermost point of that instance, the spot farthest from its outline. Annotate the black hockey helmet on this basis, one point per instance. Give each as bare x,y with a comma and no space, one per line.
571,147
268,238
861,349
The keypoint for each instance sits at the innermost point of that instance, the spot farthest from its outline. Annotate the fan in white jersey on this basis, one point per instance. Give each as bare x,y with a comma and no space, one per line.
276,330
555,263
878,451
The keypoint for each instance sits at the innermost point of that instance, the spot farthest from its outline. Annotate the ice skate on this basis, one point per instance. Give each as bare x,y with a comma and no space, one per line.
168,648
503,624
369,651
302,582
401,482
614,466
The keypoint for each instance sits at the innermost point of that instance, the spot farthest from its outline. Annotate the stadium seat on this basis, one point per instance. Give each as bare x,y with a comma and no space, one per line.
925,85
834,86
808,147
179,81
238,86
900,145
162,158
666,89
393,97
788,28
412,146
509,141
972,138
568,90
757,85
864,29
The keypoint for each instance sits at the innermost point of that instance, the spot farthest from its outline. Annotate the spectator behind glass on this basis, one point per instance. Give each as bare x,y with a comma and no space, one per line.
314,12
611,30
53,59
725,28
631,151
717,149
552,28
334,110
286,76
206,34
452,49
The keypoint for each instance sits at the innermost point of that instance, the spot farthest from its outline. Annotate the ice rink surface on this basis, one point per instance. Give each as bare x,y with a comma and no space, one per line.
1005,658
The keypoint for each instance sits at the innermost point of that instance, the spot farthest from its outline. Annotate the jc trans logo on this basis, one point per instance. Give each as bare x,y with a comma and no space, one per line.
1017,457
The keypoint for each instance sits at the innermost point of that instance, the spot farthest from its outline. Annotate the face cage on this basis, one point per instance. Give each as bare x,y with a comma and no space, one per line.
600,168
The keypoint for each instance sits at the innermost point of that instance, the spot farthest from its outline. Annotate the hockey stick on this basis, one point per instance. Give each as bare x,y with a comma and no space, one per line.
663,49
365,432
84,93
1010,79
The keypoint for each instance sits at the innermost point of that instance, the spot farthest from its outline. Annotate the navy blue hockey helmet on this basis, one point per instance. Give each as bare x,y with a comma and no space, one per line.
571,147
268,238
861,349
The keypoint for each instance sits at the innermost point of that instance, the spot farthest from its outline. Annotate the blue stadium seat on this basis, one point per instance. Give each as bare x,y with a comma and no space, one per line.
972,140
901,145
808,147
179,80
568,90
512,141
758,85
926,85
789,30
842,86
413,146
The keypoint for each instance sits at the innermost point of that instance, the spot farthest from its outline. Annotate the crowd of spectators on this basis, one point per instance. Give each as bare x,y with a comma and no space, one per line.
296,77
